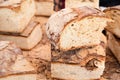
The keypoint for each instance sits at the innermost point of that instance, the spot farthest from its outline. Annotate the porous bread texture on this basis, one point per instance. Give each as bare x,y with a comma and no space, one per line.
114,13
75,28
14,19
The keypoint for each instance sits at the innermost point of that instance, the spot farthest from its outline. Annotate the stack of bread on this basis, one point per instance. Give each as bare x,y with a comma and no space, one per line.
13,65
113,30
44,7
17,23
78,45
79,3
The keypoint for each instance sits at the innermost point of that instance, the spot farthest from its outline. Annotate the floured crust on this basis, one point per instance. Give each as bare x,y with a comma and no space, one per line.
11,58
58,21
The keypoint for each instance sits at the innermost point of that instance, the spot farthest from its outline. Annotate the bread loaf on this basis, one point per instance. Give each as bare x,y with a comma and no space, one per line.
80,64
114,45
14,18
28,39
13,65
75,28
79,3
44,8
114,13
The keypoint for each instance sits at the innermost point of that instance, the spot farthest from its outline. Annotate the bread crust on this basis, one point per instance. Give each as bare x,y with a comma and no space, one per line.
58,21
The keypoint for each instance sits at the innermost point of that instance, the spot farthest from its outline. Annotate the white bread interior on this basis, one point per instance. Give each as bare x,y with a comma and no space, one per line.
85,32
14,19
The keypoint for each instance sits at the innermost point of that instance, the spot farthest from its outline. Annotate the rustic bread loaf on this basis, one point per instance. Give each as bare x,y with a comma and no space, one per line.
44,8
28,39
114,45
79,3
9,2
14,18
75,28
80,64
114,13
13,64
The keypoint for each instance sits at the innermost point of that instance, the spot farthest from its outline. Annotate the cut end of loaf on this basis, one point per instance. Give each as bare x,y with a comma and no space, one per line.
82,33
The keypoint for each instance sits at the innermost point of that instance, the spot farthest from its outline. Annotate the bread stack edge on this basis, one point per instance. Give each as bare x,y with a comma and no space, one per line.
17,23
113,30
78,45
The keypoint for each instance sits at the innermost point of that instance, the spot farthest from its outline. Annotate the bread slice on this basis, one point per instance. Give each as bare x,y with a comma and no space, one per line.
9,2
75,28
114,13
13,65
44,8
14,18
79,3
28,39
114,45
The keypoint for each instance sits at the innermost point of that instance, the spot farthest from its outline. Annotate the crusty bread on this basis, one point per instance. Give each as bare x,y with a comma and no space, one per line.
9,2
44,8
14,18
114,45
75,28
114,13
28,39
73,65
86,61
79,3
12,61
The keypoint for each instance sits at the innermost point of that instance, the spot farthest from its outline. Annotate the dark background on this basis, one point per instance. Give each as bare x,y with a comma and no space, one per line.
108,3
